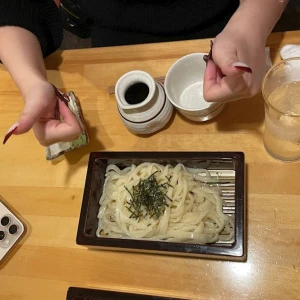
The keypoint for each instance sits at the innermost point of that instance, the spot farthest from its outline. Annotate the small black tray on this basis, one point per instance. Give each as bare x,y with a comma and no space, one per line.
75,293
218,161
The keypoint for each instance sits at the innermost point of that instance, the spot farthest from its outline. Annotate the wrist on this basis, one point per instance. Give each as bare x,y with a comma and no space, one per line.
29,85
21,54
255,19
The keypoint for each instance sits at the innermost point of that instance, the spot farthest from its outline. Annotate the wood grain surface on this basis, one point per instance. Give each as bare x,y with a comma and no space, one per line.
47,195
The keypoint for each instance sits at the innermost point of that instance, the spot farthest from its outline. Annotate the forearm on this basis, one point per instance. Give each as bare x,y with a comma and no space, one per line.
20,52
257,18
42,18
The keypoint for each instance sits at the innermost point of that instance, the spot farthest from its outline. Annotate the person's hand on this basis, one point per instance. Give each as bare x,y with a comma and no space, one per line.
224,81
42,112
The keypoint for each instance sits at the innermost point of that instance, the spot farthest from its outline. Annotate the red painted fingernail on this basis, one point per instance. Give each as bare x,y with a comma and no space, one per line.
11,130
243,67
61,96
208,56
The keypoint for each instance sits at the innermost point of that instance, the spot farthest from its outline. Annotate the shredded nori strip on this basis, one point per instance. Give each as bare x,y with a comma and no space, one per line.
148,198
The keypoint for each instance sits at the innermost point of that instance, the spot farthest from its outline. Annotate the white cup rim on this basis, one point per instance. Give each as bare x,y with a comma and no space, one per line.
167,78
121,99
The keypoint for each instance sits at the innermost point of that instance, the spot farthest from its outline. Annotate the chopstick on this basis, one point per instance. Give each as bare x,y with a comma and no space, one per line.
111,89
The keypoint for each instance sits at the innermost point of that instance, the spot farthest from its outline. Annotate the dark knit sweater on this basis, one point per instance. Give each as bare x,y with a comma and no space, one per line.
156,17
41,17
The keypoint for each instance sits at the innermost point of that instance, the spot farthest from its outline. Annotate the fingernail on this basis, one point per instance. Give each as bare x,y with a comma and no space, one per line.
10,131
206,58
61,96
242,66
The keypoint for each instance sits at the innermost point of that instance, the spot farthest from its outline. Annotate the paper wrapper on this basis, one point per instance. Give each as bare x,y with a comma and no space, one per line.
59,149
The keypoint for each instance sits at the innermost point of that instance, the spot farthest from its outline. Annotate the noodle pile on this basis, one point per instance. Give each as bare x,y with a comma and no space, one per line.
193,214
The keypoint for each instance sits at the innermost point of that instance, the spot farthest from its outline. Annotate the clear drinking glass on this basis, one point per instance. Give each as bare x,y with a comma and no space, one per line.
281,92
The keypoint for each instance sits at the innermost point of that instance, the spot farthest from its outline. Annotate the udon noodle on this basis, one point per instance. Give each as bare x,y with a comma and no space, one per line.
193,214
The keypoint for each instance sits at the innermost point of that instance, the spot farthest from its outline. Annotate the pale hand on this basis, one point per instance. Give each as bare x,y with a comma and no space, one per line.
42,112
223,82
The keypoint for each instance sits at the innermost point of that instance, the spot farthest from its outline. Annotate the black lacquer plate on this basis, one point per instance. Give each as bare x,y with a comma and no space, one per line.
222,162
75,293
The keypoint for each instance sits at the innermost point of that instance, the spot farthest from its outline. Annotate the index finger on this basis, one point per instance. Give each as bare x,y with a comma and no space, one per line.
217,89
54,131
69,128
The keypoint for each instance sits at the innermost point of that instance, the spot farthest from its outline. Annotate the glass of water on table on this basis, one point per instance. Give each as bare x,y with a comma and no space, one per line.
281,92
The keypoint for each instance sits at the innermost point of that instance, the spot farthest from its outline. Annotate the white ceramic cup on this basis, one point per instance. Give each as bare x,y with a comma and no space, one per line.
184,88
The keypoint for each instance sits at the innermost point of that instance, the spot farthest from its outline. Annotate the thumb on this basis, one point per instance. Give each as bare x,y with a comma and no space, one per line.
30,114
28,117
226,58
229,63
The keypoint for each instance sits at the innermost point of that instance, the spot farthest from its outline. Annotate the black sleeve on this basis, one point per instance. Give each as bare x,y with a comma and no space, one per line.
41,17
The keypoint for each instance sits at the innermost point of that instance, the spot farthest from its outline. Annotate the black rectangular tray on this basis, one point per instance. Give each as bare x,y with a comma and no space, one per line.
222,162
75,293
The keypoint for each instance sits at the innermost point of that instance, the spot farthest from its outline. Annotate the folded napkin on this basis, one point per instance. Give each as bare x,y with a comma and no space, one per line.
289,51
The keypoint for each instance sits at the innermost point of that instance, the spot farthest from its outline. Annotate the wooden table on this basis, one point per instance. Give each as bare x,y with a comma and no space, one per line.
48,194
